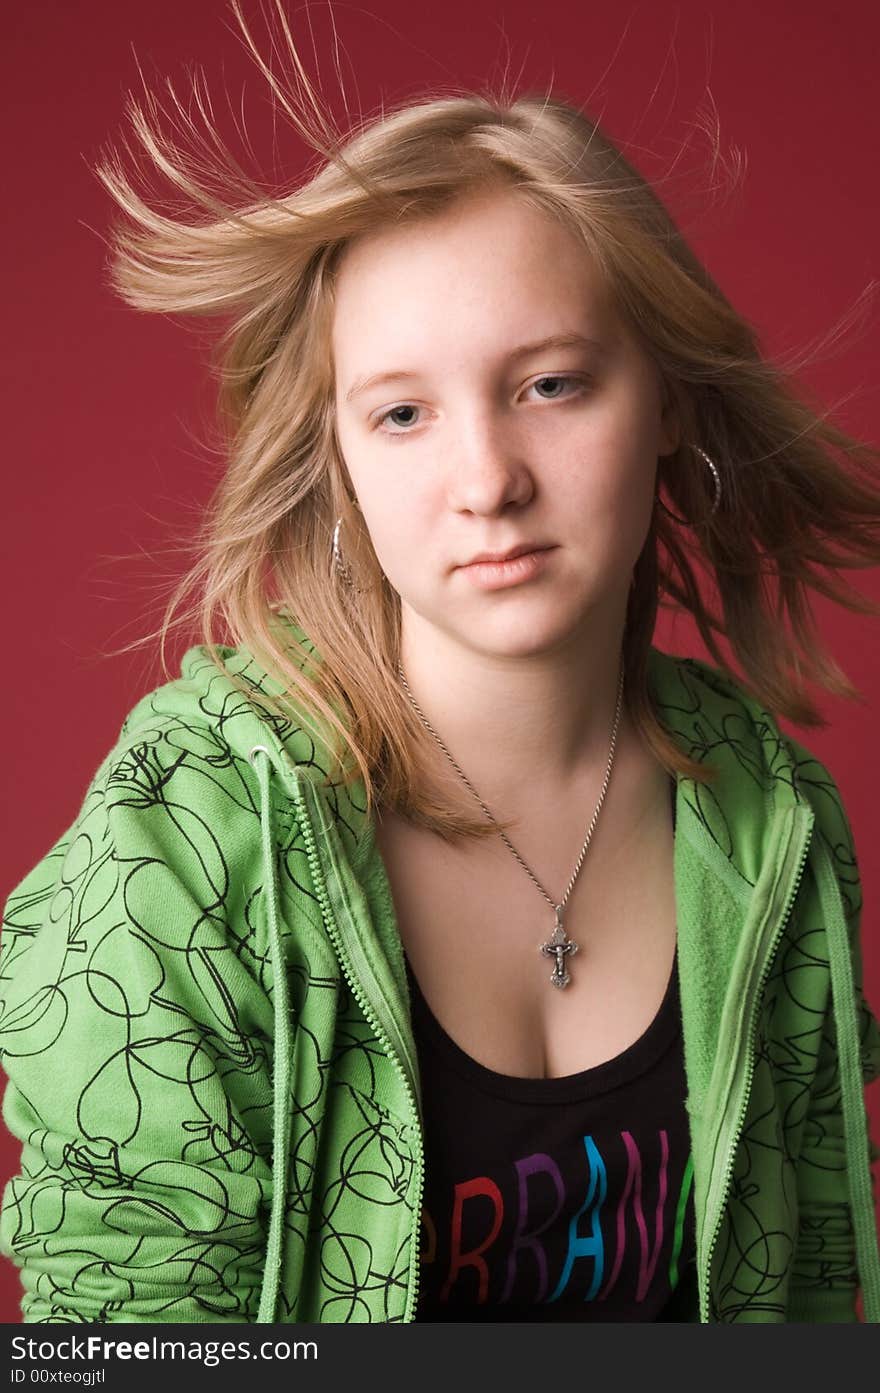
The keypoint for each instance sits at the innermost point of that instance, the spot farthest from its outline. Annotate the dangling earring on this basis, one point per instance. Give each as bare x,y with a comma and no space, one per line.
717,499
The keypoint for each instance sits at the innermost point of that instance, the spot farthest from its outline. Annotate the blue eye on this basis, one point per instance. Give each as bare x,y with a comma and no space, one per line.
554,377
410,406
407,406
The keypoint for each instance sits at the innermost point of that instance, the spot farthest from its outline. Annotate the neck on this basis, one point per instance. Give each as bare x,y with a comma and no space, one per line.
547,716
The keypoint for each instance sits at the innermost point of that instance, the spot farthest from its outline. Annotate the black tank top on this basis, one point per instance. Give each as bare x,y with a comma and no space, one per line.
557,1199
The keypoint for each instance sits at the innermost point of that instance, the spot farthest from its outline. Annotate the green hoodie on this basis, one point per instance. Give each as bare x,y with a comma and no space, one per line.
204,1021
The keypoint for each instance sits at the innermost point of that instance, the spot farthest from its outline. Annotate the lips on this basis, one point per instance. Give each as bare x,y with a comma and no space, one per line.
520,550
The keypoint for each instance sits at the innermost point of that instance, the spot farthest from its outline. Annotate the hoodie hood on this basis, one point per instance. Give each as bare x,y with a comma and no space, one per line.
709,717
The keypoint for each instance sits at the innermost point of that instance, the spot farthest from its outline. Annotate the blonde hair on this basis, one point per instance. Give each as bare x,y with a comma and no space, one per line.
798,493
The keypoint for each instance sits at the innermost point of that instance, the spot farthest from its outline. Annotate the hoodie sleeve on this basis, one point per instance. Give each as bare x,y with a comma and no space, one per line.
826,1277
136,1033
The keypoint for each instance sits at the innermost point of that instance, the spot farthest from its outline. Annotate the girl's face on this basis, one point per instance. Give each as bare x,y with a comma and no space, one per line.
470,436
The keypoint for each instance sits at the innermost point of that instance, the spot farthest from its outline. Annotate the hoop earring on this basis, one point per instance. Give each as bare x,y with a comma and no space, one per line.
340,568
683,522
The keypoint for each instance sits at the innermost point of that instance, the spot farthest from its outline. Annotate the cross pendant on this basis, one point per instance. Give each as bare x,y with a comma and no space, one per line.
559,946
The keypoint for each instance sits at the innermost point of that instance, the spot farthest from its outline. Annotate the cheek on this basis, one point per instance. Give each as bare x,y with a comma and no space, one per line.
397,512
617,460
611,482
628,429
399,528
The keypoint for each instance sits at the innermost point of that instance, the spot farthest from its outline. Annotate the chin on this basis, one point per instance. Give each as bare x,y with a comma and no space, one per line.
523,635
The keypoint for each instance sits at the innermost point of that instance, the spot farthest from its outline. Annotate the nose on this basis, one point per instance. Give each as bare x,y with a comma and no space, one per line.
488,471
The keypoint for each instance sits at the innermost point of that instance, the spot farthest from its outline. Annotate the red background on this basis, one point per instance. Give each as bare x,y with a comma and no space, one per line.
107,412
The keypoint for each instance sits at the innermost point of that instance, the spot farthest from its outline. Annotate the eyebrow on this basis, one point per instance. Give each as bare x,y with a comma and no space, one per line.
525,350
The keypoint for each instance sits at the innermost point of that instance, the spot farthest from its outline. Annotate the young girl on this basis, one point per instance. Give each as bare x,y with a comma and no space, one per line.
438,947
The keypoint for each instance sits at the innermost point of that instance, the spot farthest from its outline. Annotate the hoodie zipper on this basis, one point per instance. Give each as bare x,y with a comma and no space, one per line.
357,968
385,1028
791,874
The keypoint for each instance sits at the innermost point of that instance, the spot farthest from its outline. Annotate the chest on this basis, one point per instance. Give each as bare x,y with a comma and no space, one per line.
472,924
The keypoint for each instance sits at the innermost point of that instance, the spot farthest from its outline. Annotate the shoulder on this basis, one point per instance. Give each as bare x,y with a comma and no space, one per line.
713,711
172,810
817,787
718,721
761,767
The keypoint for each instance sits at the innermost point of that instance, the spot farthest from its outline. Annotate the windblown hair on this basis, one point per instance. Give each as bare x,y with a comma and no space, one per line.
799,495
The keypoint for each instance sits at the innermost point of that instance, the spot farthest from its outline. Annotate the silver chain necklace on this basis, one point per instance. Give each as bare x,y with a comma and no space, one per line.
558,946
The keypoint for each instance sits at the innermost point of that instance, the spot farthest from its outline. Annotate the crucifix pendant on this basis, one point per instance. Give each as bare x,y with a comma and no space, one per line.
559,946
